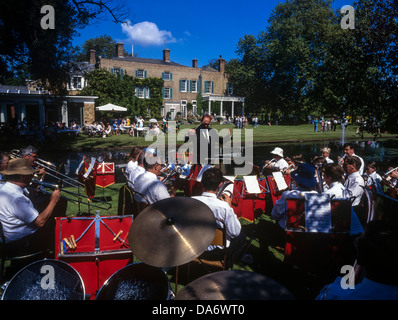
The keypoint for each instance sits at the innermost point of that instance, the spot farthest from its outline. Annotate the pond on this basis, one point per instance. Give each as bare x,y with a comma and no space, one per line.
383,152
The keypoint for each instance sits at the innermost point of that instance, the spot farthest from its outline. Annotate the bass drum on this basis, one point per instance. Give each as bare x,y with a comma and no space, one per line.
137,281
45,280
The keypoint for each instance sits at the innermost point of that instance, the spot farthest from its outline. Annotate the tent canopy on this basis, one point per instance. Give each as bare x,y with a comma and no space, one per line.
111,107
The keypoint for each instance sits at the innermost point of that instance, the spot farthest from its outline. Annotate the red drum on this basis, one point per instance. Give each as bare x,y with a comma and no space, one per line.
137,281
246,205
95,246
45,280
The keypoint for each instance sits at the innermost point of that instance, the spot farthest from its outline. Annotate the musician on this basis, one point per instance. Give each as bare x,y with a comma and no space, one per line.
148,183
278,163
377,254
325,152
204,137
4,158
333,175
212,181
349,150
354,181
137,170
22,223
304,178
31,154
391,181
373,179
132,163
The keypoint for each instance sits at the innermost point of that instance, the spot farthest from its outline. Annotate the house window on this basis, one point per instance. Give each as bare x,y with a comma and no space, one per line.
167,93
194,107
142,74
184,108
183,85
230,89
117,71
167,76
194,86
142,92
76,83
209,87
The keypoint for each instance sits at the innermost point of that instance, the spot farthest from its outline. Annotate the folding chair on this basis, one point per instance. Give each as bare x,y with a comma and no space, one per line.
220,239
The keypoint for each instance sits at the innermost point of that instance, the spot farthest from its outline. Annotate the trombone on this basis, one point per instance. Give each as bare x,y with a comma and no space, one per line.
58,175
76,201
51,170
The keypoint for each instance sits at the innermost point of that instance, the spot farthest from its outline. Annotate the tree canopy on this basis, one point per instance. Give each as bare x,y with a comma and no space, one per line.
305,62
29,51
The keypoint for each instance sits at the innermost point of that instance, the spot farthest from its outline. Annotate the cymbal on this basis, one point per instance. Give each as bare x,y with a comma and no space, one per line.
172,232
234,285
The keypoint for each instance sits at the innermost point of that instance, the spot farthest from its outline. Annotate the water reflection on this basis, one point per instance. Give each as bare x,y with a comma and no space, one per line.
383,152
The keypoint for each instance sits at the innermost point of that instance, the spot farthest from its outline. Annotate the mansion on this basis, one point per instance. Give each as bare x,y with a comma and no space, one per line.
182,86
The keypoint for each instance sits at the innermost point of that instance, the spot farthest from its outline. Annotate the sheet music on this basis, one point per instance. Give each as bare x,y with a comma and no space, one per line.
251,184
318,213
279,180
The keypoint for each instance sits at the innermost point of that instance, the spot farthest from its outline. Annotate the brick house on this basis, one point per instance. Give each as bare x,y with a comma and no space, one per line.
182,84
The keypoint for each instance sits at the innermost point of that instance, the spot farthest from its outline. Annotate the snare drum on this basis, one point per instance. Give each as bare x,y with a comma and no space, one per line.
45,280
137,281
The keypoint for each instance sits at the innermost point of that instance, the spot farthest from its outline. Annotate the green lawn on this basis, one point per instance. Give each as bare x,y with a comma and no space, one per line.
263,133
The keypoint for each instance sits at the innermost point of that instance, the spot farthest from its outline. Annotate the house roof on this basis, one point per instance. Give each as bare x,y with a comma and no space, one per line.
147,60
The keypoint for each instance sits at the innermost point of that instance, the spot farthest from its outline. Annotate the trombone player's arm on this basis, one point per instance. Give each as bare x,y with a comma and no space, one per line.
43,217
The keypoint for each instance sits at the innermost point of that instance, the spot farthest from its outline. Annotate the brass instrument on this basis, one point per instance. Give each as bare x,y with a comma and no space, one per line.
77,201
50,170
224,185
269,163
341,159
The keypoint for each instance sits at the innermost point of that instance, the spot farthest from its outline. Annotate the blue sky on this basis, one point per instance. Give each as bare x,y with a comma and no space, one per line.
201,30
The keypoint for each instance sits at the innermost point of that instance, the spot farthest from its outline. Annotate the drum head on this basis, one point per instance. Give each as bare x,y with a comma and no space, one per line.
137,281
45,280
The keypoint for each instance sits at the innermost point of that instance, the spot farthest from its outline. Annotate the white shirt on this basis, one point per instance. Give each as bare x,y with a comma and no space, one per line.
328,160
140,123
279,212
375,179
338,190
16,212
355,183
223,211
281,164
133,174
131,165
152,188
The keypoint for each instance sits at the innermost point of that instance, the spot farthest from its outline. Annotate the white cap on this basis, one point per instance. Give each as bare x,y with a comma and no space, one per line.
278,152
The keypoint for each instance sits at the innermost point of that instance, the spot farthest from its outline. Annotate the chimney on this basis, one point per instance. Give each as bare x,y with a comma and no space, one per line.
194,63
92,56
221,65
119,50
166,55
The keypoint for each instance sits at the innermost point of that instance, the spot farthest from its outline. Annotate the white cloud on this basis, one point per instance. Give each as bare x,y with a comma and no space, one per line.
147,33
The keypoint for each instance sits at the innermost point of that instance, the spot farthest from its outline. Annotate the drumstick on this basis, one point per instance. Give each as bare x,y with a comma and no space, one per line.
68,243
117,236
72,241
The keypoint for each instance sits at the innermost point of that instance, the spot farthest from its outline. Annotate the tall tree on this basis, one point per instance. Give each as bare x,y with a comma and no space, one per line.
44,53
104,46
